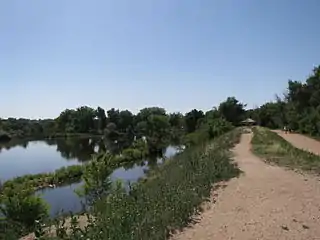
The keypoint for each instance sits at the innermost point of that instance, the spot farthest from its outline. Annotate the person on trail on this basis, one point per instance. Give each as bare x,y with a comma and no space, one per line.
285,129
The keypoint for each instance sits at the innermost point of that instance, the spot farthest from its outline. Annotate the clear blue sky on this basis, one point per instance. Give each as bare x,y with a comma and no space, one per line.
178,54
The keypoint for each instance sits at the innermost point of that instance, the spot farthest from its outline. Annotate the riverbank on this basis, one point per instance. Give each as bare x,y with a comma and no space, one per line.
74,173
167,200
18,198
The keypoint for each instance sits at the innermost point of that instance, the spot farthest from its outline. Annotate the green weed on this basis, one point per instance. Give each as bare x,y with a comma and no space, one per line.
273,148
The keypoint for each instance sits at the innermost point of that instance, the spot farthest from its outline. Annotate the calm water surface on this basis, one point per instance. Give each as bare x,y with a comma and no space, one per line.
33,157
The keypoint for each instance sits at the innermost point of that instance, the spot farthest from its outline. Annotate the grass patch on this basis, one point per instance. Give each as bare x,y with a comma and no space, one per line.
59,177
273,148
168,200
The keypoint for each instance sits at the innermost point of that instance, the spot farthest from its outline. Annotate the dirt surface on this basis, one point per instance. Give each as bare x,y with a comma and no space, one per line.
265,202
302,142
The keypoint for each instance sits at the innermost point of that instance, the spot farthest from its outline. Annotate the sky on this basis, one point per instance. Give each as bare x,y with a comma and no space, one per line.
176,54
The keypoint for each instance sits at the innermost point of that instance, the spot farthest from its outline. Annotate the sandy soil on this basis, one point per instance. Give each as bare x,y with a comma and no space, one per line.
300,141
265,202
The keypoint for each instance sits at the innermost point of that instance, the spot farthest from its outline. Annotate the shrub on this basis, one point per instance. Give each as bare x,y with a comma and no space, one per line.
21,208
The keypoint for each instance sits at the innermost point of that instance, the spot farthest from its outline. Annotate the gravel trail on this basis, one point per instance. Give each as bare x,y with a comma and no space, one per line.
265,202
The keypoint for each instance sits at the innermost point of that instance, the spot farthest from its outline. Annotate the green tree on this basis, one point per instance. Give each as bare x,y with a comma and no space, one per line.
153,124
113,116
176,120
299,109
144,113
126,121
232,110
102,118
192,119
213,114
96,177
85,119
111,132
158,130
66,121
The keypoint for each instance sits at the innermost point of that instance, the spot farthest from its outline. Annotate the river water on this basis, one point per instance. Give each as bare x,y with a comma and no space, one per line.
20,158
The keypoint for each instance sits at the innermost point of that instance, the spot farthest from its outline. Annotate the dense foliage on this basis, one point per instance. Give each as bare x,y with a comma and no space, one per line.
299,109
120,128
25,128
19,209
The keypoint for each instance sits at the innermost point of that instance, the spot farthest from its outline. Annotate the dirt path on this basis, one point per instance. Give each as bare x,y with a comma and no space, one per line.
300,141
266,202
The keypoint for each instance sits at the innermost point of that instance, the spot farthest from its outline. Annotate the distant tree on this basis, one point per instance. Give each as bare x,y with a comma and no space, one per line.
126,120
113,116
176,120
102,118
213,114
232,110
153,123
111,132
144,113
299,109
157,132
192,119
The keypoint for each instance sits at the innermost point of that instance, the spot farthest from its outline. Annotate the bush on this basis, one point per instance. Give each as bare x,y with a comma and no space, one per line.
209,129
21,208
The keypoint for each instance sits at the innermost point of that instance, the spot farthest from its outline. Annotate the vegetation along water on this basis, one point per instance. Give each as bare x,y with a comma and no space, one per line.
122,141
170,193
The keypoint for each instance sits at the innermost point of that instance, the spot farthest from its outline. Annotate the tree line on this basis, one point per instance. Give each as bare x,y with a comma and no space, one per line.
298,109
122,126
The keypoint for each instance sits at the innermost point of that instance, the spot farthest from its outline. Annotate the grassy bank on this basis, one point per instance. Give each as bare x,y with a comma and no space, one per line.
19,207
17,198
59,177
273,148
167,200
74,173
